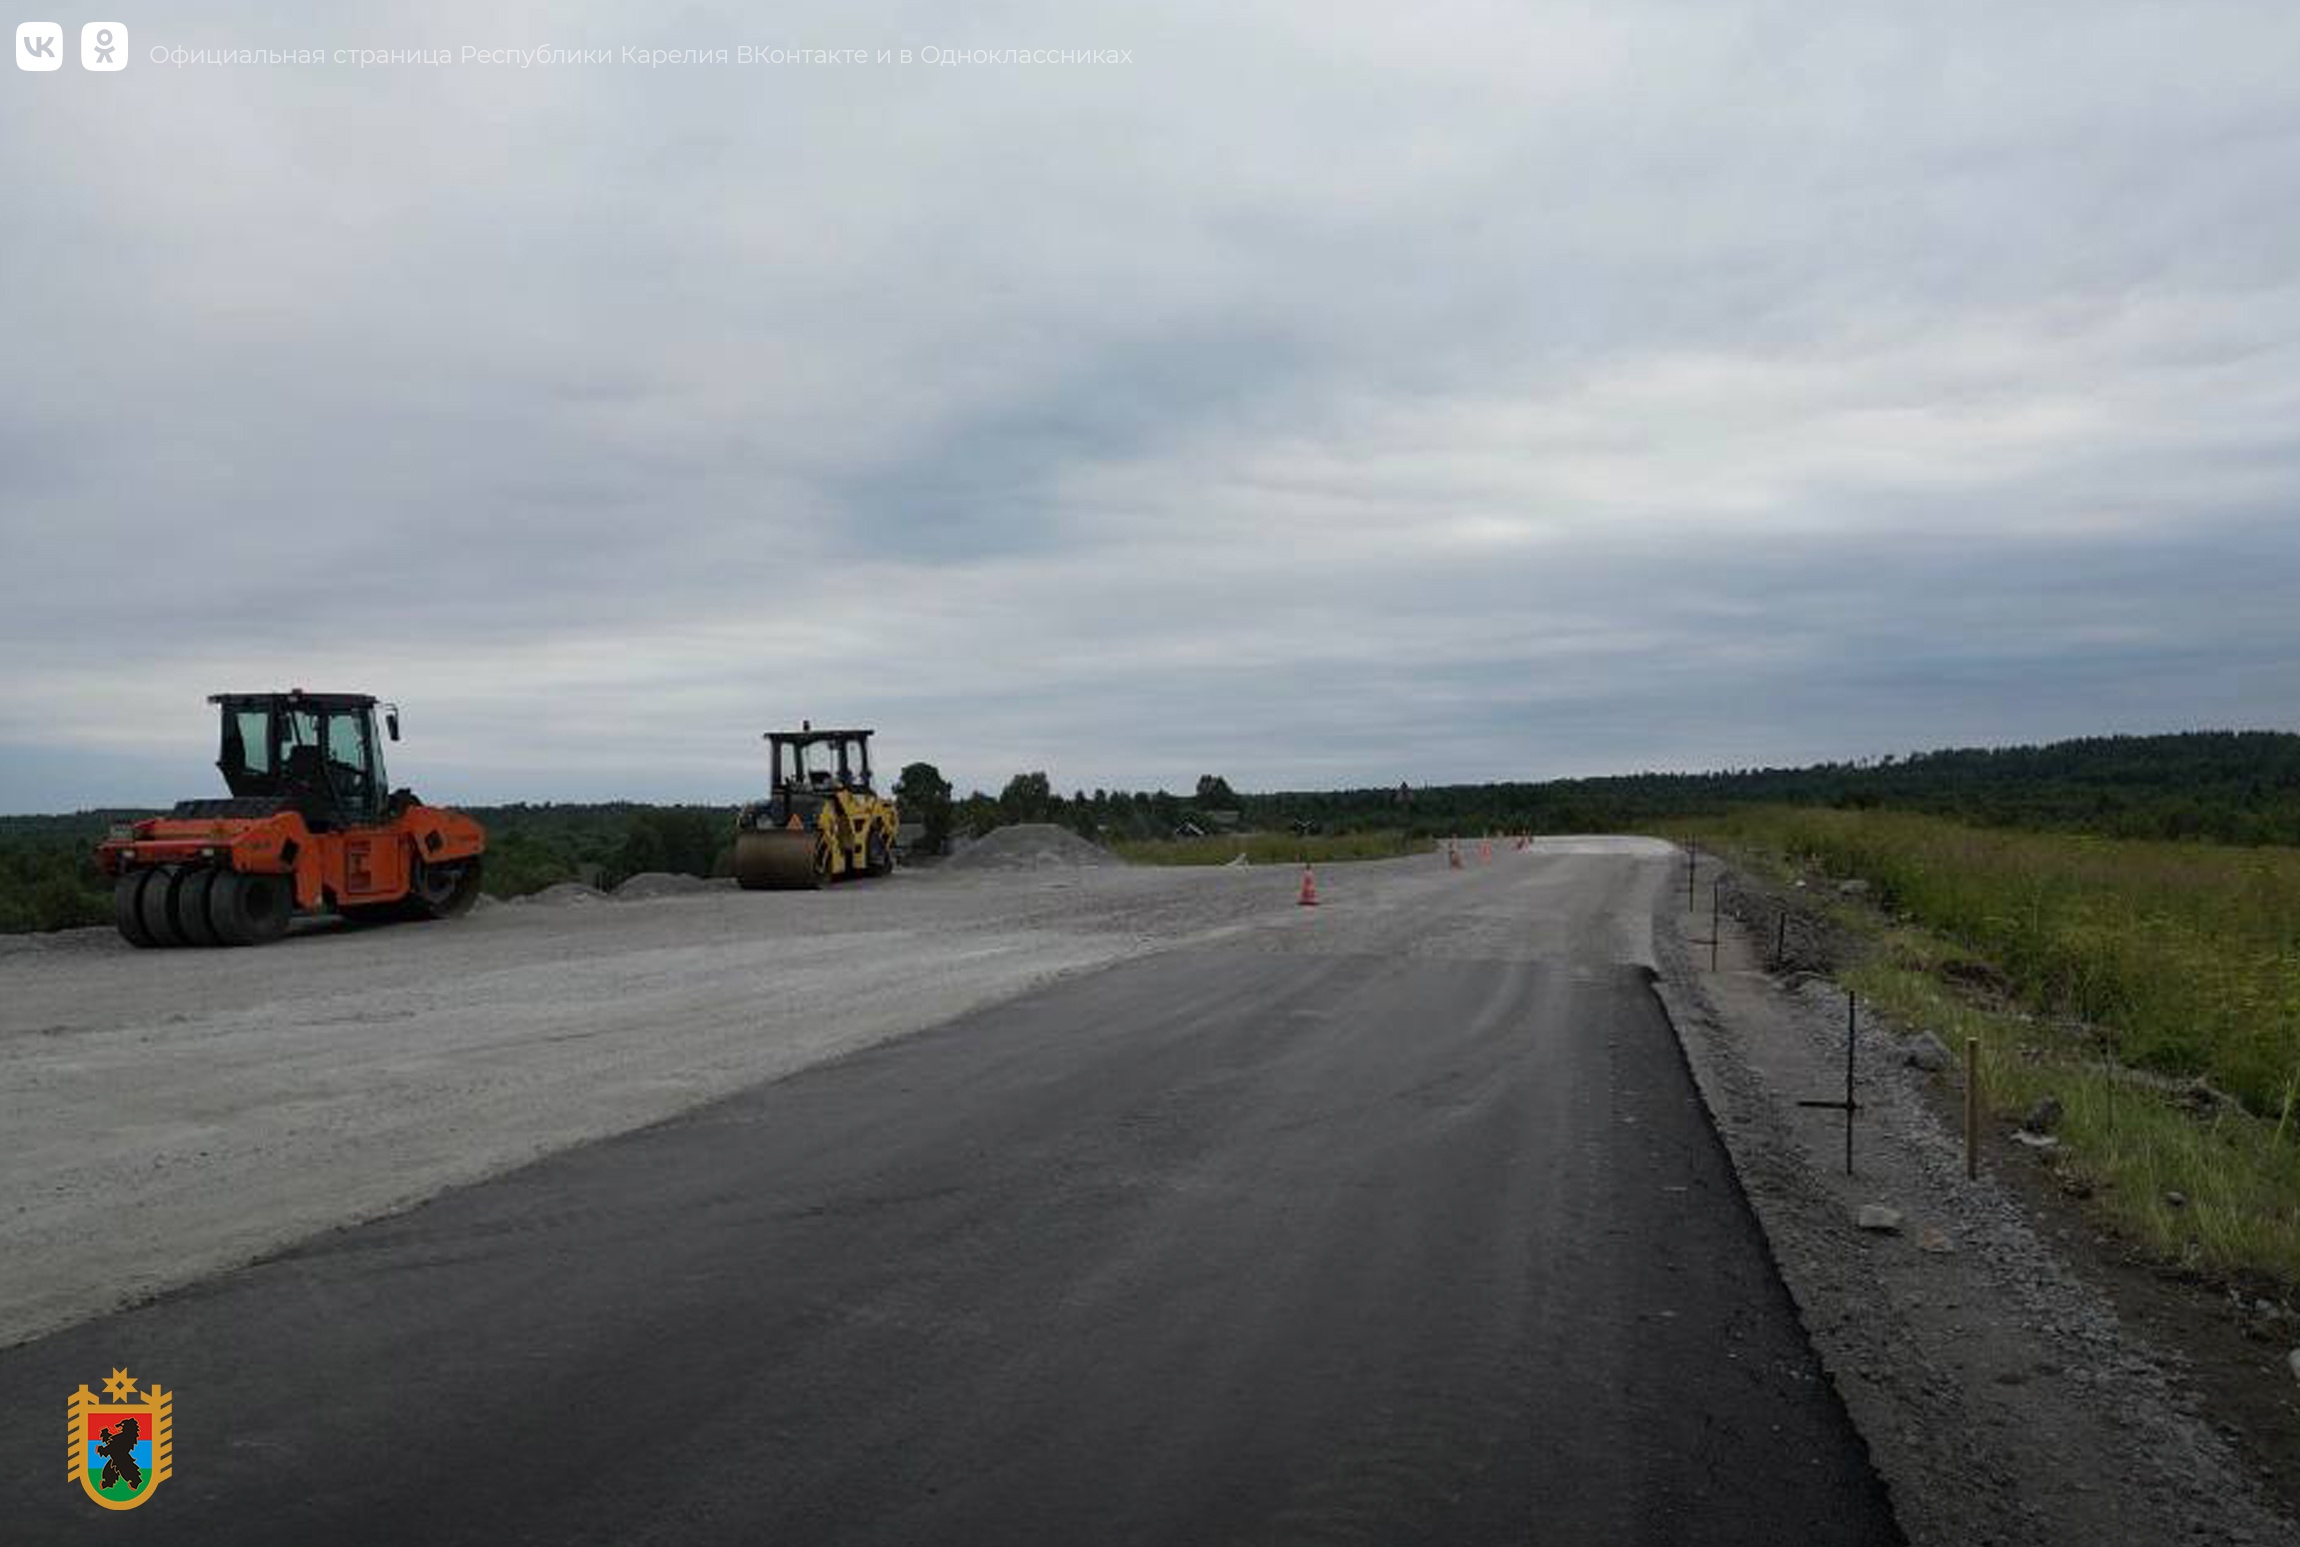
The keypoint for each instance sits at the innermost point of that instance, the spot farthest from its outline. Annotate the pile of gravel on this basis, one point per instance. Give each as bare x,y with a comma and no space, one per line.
662,883
1030,846
565,894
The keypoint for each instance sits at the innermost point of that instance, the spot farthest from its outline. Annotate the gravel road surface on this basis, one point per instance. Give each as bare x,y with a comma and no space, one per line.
167,1114
1394,1220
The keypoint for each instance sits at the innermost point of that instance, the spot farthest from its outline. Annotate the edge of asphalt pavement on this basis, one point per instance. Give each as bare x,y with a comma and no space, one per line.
52,1293
2000,1397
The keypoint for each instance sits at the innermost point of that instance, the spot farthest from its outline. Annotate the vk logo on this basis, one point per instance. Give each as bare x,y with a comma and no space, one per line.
40,45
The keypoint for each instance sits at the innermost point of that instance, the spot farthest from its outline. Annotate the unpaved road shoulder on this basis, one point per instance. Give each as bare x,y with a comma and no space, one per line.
2001,1398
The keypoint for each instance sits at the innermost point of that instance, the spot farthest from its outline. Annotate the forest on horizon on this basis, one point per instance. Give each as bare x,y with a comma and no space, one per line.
2234,787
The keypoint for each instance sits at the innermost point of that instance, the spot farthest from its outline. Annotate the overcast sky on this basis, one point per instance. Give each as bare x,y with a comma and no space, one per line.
1333,393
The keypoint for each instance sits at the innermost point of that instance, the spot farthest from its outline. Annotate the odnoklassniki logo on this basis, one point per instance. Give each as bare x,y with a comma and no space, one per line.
119,1441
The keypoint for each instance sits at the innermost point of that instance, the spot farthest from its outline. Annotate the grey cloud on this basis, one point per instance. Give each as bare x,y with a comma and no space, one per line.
1335,394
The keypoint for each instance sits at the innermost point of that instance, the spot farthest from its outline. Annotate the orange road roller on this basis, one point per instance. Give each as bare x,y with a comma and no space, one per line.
311,826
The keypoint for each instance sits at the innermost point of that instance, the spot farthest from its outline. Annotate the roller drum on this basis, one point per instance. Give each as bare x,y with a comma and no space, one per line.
778,860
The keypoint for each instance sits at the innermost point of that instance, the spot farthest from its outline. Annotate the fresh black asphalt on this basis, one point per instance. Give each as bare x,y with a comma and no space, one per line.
1216,1246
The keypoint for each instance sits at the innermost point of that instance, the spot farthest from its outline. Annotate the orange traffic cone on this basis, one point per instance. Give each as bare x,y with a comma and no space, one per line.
1309,897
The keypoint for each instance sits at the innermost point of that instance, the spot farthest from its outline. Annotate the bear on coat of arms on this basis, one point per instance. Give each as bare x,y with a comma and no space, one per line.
119,1453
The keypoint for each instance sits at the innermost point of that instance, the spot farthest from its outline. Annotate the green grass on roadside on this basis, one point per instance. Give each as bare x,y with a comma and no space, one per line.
2075,961
1272,848
2128,1146
2186,954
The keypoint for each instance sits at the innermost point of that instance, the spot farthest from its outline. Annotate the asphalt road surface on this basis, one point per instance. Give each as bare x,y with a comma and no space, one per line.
1288,1239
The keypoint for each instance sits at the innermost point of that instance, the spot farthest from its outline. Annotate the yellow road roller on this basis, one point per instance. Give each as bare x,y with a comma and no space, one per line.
823,822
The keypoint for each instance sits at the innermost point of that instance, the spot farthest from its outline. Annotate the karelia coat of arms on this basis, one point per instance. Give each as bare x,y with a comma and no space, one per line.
120,1442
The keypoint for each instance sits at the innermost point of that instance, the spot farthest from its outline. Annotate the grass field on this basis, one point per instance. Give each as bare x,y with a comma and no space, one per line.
2078,961
1272,848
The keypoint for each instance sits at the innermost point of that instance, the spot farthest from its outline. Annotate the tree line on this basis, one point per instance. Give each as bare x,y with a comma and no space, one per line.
1107,816
2239,787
